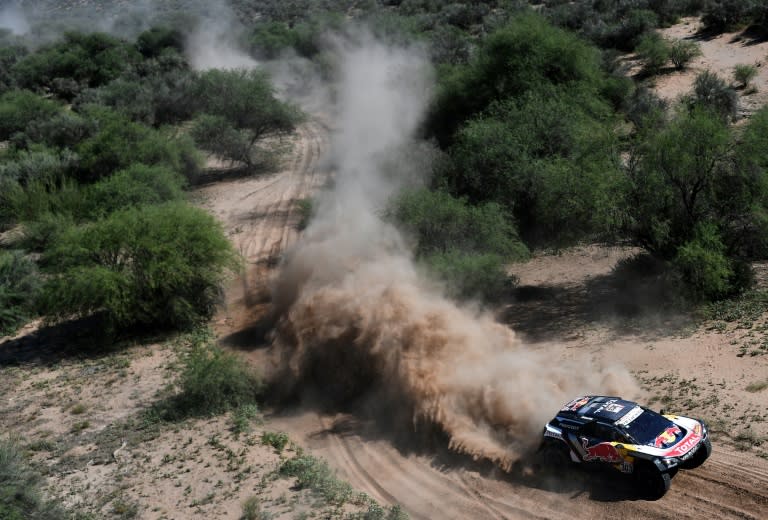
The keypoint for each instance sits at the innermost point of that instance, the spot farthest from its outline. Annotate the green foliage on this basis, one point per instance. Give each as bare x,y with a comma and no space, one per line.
674,189
216,135
252,510
713,93
242,418
154,41
654,51
723,15
118,143
20,497
704,265
471,275
213,382
521,57
548,157
138,185
681,52
62,130
18,108
246,99
278,440
19,284
239,109
78,61
157,265
441,223
744,74
315,474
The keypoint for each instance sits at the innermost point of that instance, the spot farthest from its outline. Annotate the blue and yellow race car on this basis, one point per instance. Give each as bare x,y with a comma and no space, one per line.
626,437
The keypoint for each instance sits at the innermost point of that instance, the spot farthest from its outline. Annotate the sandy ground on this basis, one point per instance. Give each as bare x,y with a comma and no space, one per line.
719,54
75,415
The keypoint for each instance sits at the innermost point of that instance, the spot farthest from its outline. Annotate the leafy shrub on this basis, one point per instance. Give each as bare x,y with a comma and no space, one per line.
138,185
62,130
654,51
744,74
525,55
19,284
441,222
157,265
681,52
547,156
119,143
712,92
216,135
242,418
315,474
212,382
278,440
18,108
704,264
469,275
82,60
20,497
722,15
154,41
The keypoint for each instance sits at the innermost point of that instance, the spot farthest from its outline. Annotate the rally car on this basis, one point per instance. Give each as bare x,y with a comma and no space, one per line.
627,437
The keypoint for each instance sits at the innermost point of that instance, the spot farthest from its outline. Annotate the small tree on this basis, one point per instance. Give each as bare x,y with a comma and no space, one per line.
744,74
712,92
157,265
681,52
654,51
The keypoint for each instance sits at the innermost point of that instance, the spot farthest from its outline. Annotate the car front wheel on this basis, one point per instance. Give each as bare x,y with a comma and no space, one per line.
653,483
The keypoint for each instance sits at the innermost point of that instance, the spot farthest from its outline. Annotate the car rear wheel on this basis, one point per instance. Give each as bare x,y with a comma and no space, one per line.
653,483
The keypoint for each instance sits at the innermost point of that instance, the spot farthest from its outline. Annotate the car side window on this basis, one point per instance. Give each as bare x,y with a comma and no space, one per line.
603,432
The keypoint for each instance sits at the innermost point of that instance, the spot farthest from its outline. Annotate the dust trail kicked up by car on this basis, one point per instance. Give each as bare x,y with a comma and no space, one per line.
356,315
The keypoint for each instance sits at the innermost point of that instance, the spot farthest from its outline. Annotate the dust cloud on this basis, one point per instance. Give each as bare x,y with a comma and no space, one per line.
13,18
214,42
356,315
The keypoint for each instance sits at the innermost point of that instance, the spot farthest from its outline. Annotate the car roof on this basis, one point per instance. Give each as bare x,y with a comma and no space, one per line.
601,407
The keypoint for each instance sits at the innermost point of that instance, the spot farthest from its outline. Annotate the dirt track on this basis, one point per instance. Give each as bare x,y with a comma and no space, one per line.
261,216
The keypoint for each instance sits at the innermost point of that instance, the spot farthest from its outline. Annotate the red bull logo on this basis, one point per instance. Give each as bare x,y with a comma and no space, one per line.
667,437
604,451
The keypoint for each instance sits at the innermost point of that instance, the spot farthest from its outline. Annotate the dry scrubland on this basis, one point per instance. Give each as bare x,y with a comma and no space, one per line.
99,422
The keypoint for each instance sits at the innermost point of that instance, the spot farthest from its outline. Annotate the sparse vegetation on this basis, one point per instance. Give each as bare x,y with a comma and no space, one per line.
744,74
682,52
20,495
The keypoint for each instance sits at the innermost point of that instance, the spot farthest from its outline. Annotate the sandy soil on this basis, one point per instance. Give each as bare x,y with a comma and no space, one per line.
720,54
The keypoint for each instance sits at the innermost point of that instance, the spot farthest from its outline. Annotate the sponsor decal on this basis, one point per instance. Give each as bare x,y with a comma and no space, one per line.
627,467
685,445
575,404
604,451
667,437
614,408
630,416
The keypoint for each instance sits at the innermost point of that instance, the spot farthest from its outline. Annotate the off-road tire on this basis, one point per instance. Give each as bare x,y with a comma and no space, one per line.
553,455
652,483
702,454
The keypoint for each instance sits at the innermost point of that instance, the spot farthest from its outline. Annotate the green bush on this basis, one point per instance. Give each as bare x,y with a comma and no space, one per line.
154,41
20,497
681,52
156,265
654,51
523,56
213,382
19,284
278,440
471,275
704,264
441,222
120,143
712,92
315,474
77,61
19,108
744,74
138,185
548,157
216,135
